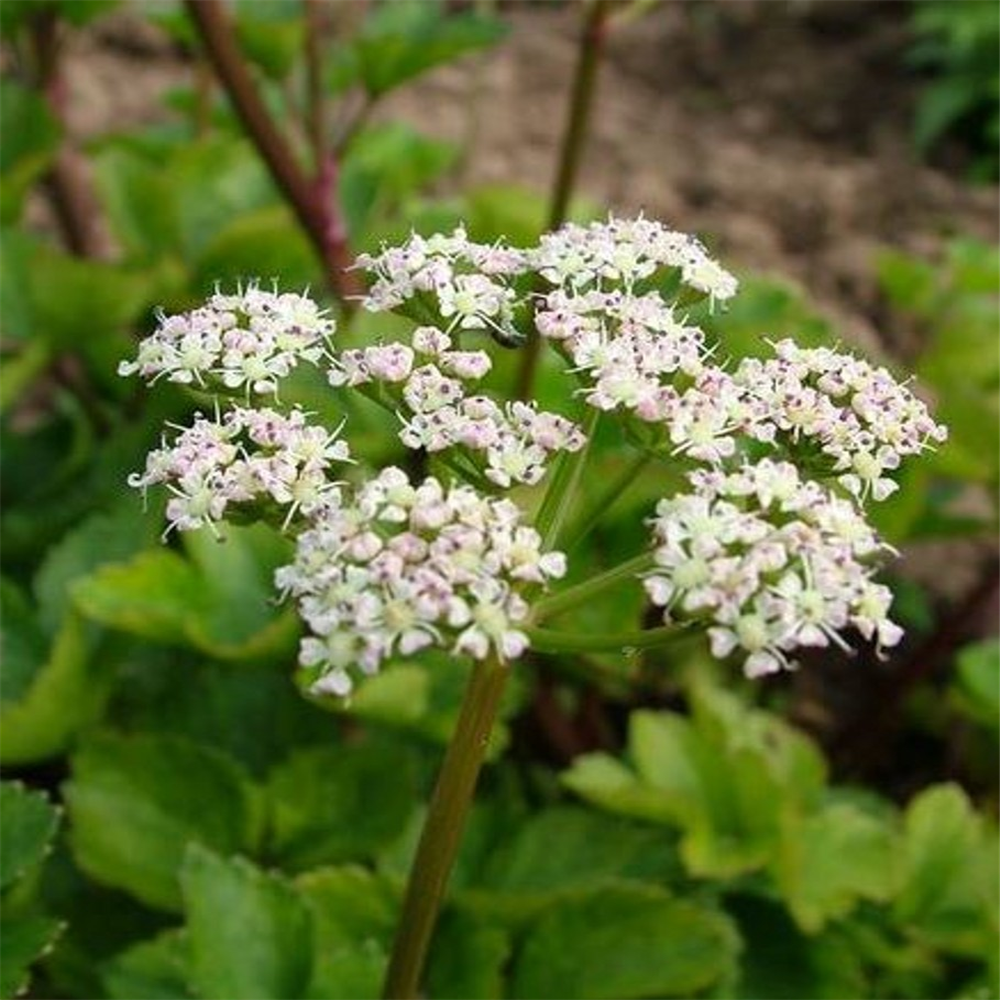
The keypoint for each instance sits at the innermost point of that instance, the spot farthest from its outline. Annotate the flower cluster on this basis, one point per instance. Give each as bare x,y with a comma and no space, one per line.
466,283
399,567
247,456
624,252
859,415
516,440
248,340
772,561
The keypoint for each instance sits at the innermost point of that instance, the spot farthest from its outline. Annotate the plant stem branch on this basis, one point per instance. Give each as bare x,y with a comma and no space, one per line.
313,203
564,600
606,500
69,188
545,640
588,59
443,827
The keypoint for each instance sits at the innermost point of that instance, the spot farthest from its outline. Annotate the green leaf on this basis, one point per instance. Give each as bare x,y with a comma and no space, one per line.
829,861
22,941
978,682
31,137
25,645
624,942
781,963
27,824
103,537
609,784
408,37
66,693
467,959
151,970
323,808
525,873
221,600
135,803
271,33
949,893
266,244
249,932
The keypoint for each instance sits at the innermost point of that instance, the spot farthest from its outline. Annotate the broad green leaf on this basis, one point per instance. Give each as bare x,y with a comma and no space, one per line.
609,784
266,243
27,824
330,804
249,932
66,694
593,848
221,600
622,943
254,713
24,643
31,136
104,537
406,38
949,885
151,970
349,903
467,959
829,861
978,682
135,803
138,197
271,33
22,941
780,962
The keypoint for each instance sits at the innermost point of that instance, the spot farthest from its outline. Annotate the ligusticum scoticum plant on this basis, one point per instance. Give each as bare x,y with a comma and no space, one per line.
767,547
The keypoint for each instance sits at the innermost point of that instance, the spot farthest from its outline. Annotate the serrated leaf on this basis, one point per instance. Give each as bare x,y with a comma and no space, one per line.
249,932
625,942
949,884
151,970
331,804
780,962
22,941
135,803
221,600
67,693
608,783
831,860
524,873
27,824
467,959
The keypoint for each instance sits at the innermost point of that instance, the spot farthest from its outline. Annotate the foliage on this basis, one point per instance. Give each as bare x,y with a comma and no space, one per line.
956,45
182,822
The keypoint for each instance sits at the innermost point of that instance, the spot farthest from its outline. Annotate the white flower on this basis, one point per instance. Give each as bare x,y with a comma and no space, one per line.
401,567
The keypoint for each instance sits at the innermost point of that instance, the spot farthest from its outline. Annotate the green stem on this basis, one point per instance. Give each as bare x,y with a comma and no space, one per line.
563,600
562,487
580,104
546,640
615,489
443,827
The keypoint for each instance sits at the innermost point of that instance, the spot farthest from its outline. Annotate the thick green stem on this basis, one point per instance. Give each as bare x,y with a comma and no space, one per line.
615,489
571,153
546,640
443,828
563,600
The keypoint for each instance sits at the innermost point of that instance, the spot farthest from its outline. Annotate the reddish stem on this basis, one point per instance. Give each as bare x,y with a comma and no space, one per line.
313,201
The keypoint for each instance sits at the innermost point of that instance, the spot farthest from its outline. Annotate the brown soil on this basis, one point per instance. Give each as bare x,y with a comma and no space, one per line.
780,131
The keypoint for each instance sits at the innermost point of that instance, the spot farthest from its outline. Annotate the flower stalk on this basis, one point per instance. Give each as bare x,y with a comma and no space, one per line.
441,836
571,597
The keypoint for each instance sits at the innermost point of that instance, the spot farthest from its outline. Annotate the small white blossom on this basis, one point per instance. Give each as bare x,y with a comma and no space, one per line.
401,567
249,340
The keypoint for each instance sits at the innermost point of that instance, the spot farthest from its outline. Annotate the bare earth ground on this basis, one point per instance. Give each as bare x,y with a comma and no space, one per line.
780,131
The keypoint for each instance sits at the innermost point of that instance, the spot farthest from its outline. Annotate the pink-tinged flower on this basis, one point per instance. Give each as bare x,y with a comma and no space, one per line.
249,340
398,567
770,562
244,457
